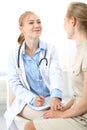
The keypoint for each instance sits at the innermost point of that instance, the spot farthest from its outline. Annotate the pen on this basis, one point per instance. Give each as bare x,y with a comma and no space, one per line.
41,97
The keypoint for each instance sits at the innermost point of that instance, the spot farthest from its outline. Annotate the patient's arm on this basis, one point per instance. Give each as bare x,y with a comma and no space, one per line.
68,105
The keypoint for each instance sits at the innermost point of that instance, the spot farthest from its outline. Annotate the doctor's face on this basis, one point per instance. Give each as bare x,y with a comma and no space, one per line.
31,27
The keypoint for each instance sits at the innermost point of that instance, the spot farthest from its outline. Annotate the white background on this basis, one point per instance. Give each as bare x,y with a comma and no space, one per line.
52,14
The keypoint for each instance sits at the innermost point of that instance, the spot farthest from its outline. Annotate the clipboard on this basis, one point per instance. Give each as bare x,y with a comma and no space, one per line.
45,106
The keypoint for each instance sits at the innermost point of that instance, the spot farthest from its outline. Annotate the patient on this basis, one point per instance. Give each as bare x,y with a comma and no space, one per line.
73,115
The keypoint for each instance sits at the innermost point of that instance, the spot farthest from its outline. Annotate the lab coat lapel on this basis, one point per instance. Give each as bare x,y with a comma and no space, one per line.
23,74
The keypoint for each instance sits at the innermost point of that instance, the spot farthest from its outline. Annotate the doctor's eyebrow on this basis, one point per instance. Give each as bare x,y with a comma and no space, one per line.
37,20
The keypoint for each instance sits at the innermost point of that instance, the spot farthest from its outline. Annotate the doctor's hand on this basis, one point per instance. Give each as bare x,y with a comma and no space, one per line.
55,104
39,101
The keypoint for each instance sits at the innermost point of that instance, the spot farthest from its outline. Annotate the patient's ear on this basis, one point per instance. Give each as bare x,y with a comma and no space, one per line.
73,20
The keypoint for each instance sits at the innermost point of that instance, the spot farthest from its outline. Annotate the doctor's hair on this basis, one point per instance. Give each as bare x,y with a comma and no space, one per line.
79,11
21,22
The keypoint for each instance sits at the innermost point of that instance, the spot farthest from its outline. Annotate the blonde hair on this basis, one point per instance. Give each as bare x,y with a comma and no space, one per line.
21,20
79,11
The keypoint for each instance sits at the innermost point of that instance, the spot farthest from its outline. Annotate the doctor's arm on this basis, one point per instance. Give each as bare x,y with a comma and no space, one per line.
55,81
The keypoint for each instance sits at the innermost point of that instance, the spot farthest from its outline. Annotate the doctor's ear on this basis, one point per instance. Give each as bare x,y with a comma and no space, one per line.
73,20
21,28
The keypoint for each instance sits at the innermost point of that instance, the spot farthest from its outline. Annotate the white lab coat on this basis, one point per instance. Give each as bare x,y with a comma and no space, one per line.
51,74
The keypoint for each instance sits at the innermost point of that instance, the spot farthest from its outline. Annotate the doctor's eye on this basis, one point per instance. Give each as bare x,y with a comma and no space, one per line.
31,22
39,22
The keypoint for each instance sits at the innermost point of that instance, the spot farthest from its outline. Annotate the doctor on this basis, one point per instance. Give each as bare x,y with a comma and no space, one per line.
33,72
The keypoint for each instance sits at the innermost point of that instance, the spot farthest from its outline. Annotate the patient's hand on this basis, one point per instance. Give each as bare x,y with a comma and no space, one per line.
52,114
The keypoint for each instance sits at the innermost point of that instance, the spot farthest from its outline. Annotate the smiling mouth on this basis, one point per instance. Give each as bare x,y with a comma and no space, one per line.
36,30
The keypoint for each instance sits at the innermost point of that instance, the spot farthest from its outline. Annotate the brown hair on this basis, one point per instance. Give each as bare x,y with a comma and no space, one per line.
21,20
79,11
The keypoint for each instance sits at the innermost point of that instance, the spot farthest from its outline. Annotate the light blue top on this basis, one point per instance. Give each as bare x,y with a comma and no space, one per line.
34,77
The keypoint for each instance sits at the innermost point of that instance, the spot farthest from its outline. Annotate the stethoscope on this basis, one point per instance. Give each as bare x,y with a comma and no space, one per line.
44,58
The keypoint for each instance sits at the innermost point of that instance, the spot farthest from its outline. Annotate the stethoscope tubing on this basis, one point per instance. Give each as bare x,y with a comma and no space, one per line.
44,58
18,62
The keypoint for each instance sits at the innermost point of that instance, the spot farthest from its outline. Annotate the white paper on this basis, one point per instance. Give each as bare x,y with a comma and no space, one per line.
46,105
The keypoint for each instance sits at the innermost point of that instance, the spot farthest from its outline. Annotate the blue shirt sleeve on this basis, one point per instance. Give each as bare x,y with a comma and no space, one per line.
56,93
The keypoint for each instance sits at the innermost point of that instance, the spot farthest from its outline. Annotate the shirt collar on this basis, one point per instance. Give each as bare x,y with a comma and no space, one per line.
41,47
83,45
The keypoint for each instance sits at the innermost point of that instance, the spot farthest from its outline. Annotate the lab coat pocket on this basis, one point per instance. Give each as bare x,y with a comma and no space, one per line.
76,71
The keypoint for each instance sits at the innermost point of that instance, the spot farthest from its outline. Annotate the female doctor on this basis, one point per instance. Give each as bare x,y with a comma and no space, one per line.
33,71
